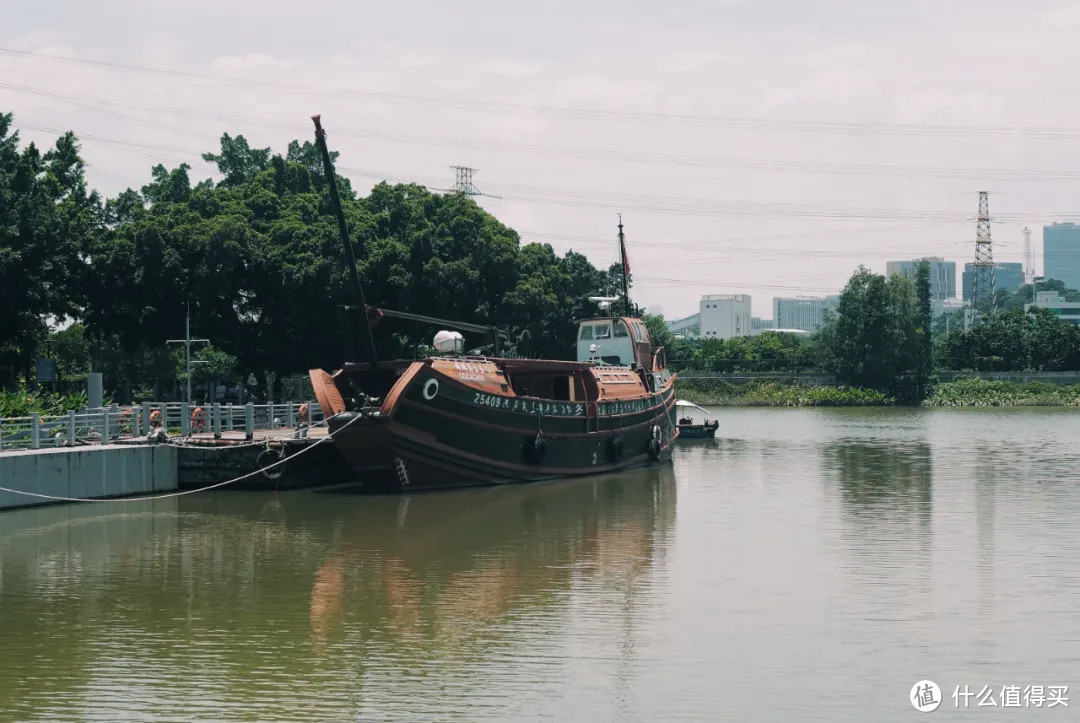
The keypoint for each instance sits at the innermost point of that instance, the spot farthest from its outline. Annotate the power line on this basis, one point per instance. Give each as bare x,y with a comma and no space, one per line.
777,166
603,199
580,113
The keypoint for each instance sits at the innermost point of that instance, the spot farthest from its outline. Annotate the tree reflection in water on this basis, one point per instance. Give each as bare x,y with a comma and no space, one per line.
879,477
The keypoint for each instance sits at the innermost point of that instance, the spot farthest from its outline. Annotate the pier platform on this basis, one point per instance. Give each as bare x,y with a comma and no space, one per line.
204,460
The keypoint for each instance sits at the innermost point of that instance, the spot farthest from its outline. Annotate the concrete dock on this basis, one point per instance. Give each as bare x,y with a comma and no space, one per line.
98,471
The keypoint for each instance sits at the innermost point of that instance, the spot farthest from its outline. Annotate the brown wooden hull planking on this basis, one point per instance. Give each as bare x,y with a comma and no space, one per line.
454,422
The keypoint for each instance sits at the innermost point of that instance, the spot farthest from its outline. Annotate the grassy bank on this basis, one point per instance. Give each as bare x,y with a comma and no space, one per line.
765,393
986,393
959,393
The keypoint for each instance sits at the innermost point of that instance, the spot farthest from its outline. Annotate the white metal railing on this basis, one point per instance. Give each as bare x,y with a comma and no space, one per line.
120,423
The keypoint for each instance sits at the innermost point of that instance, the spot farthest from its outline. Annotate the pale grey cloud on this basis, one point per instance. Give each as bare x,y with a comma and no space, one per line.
979,64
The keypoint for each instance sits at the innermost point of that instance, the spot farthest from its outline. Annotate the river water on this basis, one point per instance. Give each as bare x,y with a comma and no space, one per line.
806,565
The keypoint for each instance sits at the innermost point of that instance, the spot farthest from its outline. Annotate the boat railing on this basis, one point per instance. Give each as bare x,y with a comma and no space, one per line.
126,423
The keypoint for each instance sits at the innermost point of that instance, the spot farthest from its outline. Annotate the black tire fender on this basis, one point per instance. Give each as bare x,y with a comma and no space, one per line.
615,449
536,449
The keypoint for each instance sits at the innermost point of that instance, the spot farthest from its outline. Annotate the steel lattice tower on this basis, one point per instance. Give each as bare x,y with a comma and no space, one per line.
1029,262
982,286
463,180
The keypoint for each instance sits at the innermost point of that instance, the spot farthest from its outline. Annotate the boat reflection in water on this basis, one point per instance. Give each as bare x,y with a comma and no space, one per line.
447,564
335,604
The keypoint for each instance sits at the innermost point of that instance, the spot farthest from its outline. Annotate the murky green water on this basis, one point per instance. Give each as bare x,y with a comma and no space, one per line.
806,565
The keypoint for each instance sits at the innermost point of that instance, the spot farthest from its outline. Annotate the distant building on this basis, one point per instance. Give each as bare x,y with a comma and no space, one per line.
942,275
1008,276
1065,310
806,313
945,306
758,325
687,327
1061,253
724,316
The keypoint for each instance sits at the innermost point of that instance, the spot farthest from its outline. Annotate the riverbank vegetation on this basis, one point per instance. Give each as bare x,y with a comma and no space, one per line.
989,393
769,393
23,403
971,392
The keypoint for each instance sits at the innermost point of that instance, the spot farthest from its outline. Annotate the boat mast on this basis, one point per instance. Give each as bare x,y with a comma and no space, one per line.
335,202
625,266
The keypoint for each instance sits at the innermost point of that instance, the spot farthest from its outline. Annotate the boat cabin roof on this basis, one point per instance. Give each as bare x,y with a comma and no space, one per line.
684,404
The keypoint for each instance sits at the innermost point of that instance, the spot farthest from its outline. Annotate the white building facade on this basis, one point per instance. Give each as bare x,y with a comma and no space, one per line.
806,313
724,316
1065,310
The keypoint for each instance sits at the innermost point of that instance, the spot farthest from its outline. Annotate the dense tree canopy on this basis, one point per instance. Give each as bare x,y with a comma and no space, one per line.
880,335
257,259
1015,340
48,219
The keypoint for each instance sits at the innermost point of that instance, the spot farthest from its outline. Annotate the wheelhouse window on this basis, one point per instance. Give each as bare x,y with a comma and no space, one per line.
586,333
602,331
621,330
639,332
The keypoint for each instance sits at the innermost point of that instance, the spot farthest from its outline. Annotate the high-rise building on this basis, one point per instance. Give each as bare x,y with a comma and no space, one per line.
801,312
1007,275
1061,253
942,275
724,316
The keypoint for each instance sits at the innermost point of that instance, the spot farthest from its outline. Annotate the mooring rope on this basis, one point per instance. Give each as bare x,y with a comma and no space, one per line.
145,498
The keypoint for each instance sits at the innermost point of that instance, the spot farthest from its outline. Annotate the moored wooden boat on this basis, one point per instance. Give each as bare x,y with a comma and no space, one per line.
456,420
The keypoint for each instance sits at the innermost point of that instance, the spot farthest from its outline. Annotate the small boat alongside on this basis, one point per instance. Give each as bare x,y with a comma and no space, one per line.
692,428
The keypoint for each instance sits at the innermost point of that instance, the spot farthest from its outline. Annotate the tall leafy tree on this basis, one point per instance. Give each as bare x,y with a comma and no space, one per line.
48,221
924,332
877,338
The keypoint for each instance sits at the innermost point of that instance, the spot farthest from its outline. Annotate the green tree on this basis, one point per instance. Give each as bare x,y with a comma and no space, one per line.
238,162
257,260
924,334
48,220
659,333
877,338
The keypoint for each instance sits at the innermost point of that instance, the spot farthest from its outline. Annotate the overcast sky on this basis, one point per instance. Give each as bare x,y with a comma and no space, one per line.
752,146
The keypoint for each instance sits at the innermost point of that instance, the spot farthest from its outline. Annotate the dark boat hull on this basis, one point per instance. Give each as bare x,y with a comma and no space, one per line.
697,431
446,434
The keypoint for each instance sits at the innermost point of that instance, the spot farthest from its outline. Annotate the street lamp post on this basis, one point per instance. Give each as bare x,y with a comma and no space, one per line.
187,341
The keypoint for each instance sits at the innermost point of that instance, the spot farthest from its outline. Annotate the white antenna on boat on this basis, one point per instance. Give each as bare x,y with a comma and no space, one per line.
605,302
